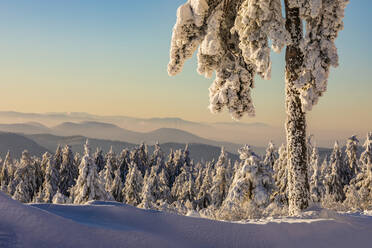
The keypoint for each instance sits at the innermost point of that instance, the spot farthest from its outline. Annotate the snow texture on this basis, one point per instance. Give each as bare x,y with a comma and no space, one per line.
108,224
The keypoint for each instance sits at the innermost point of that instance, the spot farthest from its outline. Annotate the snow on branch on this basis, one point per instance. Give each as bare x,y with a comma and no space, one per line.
323,22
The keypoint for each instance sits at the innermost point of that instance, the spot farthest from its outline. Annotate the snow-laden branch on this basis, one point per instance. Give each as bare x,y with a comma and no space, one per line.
323,22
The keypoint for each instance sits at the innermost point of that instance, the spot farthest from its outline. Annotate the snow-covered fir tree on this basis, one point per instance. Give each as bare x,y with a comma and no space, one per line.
182,189
123,163
25,179
50,185
203,198
366,156
157,156
60,198
220,182
351,159
99,159
117,187
271,155
6,174
107,175
359,191
139,156
338,178
88,185
68,171
251,188
111,156
57,158
317,189
133,186
281,176
233,38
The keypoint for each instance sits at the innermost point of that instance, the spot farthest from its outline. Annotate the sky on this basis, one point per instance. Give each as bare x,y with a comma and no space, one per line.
110,58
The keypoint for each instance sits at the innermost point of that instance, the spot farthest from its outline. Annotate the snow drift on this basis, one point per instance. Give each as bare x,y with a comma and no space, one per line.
110,224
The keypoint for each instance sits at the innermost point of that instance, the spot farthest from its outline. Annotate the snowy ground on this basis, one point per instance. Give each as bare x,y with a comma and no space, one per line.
109,224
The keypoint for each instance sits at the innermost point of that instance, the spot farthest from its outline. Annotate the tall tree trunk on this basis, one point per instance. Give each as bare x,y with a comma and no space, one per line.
298,195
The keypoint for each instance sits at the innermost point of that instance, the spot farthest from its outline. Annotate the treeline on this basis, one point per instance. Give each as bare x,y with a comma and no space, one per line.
249,188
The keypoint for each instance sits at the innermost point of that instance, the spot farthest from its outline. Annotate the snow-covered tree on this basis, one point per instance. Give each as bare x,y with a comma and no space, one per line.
60,198
50,185
359,192
6,174
133,186
123,163
338,178
25,179
366,156
203,197
117,187
68,171
99,159
182,189
281,175
57,158
233,39
157,156
271,155
317,189
219,188
88,185
111,156
252,186
140,157
107,175
352,157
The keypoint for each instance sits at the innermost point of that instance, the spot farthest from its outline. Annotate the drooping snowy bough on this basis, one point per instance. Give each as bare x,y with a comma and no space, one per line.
232,38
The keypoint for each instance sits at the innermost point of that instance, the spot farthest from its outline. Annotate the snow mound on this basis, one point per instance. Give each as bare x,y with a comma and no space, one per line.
112,224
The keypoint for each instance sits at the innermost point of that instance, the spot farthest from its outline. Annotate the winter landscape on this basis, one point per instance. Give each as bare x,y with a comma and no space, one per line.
102,148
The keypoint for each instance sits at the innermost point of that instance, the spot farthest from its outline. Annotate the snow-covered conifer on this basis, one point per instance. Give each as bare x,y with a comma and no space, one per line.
203,197
123,163
252,186
219,188
338,178
107,175
317,189
366,156
99,159
88,185
281,175
351,157
117,187
113,159
68,171
25,179
59,198
50,185
182,189
140,157
271,155
133,186
6,172
58,157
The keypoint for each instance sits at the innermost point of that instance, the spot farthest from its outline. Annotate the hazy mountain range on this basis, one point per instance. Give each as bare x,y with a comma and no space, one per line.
50,129
257,134
37,144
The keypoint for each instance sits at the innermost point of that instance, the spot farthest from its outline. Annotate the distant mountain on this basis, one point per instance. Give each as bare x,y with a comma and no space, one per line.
17,143
107,131
198,152
27,128
234,132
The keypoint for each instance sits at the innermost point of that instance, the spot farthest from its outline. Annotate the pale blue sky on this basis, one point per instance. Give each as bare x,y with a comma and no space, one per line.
110,57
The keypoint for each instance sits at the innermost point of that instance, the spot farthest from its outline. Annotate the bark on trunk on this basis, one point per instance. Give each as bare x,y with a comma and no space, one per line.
298,191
